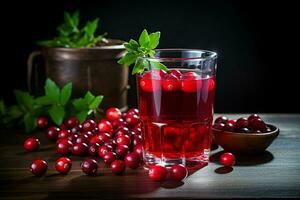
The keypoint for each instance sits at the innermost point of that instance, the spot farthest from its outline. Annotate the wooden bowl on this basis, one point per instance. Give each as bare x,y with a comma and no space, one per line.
245,143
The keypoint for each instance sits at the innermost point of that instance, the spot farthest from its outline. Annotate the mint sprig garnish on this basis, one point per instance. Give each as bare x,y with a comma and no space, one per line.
138,52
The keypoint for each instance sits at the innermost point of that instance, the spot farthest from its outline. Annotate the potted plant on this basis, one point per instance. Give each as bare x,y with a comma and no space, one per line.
90,62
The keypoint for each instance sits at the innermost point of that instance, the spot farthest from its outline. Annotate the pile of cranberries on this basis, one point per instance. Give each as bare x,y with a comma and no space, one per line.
252,124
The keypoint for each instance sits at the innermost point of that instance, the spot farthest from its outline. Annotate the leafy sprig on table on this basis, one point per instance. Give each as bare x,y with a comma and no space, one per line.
56,104
71,36
137,53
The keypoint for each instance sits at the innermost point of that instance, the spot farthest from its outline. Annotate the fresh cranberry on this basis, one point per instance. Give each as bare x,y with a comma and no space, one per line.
232,121
118,167
112,143
63,127
31,144
221,119
136,140
64,133
150,82
257,124
88,125
42,122
121,151
105,126
122,131
38,167
175,72
138,149
137,129
113,114
158,73
170,83
190,82
88,134
79,149
132,120
104,137
76,129
82,139
157,173
52,133
178,172
96,139
244,130
89,167
123,140
102,150
109,157
72,137
72,122
241,123
133,111
227,159
63,165
93,149
229,127
253,117
63,146
132,160
118,123
219,126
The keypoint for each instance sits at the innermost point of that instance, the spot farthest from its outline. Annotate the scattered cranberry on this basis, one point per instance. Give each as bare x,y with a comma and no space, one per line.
232,121
89,167
132,119
157,173
221,119
31,144
190,82
104,137
105,126
132,160
79,149
227,159
102,150
42,122
52,133
113,114
171,83
109,157
93,149
138,149
219,126
178,172
88,125
38,167
63,165
63,133
118,167
63,146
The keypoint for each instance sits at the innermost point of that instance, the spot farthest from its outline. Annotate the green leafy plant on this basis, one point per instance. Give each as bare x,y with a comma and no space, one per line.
56,104
71,36
138,52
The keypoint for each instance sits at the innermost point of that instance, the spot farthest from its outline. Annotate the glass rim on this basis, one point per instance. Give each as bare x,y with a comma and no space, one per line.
211,55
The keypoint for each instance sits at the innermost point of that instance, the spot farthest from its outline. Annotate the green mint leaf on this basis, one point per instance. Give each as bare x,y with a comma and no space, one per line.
89,97
144,38
140,66
151,53
82,115
65,94
2,108
44,100
96,102
158,65
57,114
134,44
52,90
91,27
25,100
30,122
80,104
75,18
154,40
14,112
128,59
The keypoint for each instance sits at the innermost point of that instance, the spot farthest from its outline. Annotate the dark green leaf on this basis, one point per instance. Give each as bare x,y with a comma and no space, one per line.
151,53
128,59
65,94
75,18
2,108
57,114
91,27
89,97
158,65
14,112
44,100
140,66
30,122
144,38
96,102
80,104
25,100
81,116
154,40
52,90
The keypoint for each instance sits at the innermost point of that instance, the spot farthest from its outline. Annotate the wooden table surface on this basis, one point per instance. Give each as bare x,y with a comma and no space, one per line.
276,173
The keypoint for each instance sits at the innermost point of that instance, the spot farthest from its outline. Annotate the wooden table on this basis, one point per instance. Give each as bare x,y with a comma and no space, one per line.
276,173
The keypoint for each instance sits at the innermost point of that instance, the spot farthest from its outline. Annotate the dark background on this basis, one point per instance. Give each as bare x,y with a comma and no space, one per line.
255,40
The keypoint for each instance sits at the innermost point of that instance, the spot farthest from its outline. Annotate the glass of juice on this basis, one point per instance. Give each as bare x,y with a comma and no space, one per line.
176,107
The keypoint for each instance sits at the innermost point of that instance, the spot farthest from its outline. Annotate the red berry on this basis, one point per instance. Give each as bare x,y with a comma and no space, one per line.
132,120
63,146
38,167
227,159
209,84
72,137
64,133
221,119
150,81
104,137
72,122
219,126
118,123
63,127
93,149
121,151
31,144
157,173
76,129
132,160
175,72
96,139
89,167
258,124
113,114
241,123
136,140
121,131
229,127
42,122
118,167
190,82
102,150
178,172
123,140
63,165
171,83
79,149
105,126
138,149
89,125
232,121
88,134
109,157
253,117
52,133
82,139
132,111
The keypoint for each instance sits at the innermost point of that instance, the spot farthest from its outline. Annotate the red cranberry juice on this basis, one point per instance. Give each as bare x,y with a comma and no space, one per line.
177,115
